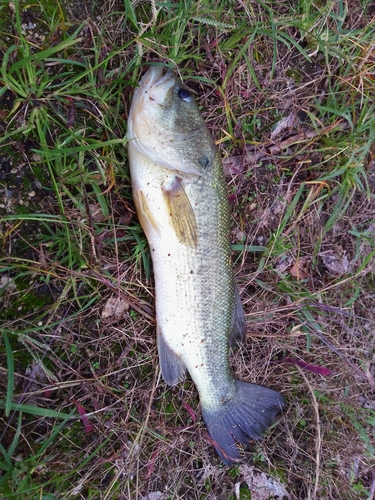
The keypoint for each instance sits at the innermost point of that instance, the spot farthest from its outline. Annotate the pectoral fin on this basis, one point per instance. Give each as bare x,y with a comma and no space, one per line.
145,216
172,368
238,326
181,212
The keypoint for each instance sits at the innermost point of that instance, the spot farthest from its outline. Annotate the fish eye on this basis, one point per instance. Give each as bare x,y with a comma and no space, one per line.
185,95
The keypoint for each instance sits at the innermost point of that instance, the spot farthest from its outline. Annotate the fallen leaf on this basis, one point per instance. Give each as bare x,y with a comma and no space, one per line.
151,464
261,486
48,393
154,495
96,212
87,425
115,308
307,366
335,262
284,263
233,165
282,125
6,281
298,269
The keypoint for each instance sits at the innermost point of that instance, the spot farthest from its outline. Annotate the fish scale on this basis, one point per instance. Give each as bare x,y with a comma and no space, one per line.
181,199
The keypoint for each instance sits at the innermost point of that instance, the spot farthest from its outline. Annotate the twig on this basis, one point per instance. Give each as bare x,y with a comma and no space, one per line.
318,440
302,136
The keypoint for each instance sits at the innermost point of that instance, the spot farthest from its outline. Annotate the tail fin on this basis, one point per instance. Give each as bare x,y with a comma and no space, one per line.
246,416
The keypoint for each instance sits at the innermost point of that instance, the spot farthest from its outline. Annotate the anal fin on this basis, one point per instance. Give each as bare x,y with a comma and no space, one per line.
238,324
181,212
172,368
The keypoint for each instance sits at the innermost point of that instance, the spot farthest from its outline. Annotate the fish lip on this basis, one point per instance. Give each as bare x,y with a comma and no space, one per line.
155,76
168,75
151,74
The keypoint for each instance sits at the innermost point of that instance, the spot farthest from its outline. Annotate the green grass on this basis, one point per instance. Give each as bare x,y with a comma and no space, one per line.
84,413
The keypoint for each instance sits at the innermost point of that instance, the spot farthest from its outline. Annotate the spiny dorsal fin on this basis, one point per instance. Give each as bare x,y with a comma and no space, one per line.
181,212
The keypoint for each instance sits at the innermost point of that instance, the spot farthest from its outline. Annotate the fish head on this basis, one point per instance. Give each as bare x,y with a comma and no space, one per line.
165,125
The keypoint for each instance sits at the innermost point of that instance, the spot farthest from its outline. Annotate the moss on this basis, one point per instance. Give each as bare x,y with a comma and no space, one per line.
293,73
21,209
26,299
40,174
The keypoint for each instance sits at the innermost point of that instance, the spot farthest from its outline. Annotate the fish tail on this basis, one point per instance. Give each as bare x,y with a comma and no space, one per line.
247,415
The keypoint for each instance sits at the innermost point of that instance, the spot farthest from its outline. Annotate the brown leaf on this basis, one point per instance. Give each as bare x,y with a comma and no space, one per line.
284,262
96,212
336,262
299,268
261,485
115,308
283,125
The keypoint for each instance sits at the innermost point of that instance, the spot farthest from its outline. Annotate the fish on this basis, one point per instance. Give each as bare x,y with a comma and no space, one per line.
181,200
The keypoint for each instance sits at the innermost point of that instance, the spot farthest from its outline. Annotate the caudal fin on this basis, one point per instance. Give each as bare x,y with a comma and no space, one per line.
246,416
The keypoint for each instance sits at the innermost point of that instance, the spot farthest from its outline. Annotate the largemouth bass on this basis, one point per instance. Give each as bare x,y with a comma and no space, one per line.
181,200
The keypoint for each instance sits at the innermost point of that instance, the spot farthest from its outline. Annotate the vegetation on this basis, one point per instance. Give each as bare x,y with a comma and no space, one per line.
287,89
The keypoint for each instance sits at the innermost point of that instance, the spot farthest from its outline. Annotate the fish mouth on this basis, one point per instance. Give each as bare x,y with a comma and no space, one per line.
168,75
148,79
156,75
152,90
156,82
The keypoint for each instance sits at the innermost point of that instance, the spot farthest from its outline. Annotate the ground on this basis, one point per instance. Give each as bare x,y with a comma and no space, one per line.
287,90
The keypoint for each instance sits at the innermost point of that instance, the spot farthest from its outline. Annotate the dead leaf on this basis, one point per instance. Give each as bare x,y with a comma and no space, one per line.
336,262
284,263
299,268
238,236
6,281
282,125
233,165
3,114
96,212
321,370
115,308
154,495
260,485
191,412
87,425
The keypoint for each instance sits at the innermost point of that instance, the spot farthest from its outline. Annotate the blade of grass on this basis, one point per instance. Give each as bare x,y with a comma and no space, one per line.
10,375
34,410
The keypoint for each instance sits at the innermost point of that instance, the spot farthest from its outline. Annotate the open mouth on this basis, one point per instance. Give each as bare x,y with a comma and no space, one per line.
168,75
155,77
155,84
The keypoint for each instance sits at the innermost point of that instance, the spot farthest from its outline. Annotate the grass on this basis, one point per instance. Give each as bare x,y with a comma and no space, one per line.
84,412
